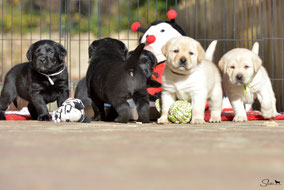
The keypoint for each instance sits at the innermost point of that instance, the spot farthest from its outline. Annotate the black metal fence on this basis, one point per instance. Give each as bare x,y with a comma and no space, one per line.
76,23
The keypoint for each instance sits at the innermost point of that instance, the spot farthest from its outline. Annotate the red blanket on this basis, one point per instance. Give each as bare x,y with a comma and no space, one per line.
227,115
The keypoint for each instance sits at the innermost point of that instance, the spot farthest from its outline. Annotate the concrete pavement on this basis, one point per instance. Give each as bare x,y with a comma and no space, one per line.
48,156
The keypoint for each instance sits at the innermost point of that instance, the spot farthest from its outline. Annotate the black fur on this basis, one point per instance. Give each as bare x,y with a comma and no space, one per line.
147,62
26,81
112,78
81,92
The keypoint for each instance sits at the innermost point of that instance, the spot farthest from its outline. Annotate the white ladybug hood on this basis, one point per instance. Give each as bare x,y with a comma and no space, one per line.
163,32
158,34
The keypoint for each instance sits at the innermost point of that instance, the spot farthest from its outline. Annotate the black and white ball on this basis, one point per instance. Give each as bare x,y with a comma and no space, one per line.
72,110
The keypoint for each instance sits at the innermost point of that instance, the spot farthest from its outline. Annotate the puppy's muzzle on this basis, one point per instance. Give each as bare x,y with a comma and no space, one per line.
182,62
239,78
42,60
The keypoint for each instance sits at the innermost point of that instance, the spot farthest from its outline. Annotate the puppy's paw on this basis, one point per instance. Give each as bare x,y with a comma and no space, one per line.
240,118
268,115
44,117
121,119
2,116
215,119
197,121
163,120
97,118
144,120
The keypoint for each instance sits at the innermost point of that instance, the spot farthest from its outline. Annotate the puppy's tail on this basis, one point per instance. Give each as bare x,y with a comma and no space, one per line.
255,48
210,50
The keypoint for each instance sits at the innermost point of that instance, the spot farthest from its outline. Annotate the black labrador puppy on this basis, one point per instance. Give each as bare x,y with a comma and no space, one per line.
113,77
40,81
147,62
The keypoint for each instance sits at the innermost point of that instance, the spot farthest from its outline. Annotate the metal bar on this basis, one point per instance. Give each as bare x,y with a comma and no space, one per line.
31,28
234,22
157,16
2,56
65,28
118,19
60,7
50,20
21,31
224,24
242,20
12,28
207,39
205,21
21,49
262,29
40,14
57,39
254,18
272,34
147,12
166,5
215,14
137,2
186,24
195,17
128,23
282,50
89,23
109,17
79,42
70,39
99,19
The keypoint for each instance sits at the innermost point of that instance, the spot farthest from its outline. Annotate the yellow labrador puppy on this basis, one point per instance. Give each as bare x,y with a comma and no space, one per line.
189,75
245,79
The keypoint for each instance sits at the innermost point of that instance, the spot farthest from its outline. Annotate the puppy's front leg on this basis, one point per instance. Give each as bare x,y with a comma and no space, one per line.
239,109
198,107
39,105
167,99
62,97
123,110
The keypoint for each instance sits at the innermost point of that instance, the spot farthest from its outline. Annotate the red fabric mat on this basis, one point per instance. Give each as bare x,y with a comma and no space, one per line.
17,117
227,115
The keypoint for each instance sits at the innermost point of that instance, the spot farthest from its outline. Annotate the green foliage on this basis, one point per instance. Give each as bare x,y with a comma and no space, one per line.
114,19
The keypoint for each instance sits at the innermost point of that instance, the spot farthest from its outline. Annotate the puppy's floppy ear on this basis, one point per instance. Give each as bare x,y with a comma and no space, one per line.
200,52
133,59
60,50
257,63
222,65
153,58
29,53
91,50
165,48
255,48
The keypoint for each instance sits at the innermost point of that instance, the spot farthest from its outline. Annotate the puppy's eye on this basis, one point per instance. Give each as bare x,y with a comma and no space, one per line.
176,50
232,67
246,67
162,30
191,53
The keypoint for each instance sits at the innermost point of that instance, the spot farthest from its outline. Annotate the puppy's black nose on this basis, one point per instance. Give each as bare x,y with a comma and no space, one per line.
239,77
182,61
43,60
